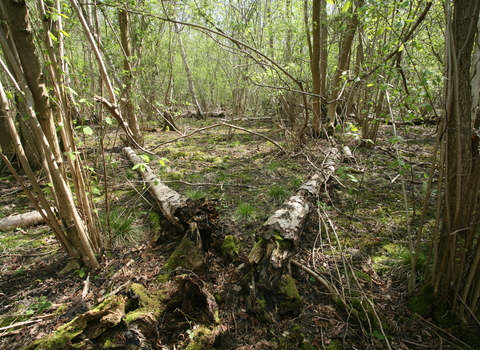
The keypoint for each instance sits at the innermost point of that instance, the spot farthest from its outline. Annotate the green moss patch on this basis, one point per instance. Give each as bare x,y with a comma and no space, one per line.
230,247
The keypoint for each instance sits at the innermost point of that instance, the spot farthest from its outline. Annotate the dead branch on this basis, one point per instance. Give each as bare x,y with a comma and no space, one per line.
113,109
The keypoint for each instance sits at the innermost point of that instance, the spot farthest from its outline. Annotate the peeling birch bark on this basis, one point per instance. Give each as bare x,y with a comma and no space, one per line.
167,199
272,289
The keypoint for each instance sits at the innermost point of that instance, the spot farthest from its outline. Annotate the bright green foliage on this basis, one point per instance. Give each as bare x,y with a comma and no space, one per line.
246,211
277,194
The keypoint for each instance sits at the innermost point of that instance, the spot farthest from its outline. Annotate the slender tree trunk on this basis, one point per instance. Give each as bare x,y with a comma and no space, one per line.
191,85
77,233
342,66
124,21
17,18
315,66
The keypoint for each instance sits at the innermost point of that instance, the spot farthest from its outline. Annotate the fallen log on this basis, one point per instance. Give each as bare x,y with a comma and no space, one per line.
24,220
167,199
272,290
197,219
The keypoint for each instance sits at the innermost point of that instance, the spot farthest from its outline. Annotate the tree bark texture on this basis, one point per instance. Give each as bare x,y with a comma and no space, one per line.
318,61
23,220
191,85
124,22
342,66
29,76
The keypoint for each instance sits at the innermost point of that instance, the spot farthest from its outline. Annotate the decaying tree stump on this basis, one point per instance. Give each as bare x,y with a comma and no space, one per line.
272,290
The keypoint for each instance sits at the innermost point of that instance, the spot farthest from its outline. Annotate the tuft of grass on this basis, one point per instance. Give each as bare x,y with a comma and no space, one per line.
121,225
246,211
221,176
196,194
296,182
277,194
234,144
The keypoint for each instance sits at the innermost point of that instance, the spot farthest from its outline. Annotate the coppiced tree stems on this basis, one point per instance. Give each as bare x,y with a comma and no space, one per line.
21,53
457,253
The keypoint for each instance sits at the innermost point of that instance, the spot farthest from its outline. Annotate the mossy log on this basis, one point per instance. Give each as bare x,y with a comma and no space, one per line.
272,289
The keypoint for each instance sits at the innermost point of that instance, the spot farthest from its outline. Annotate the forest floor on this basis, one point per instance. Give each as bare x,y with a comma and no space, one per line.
356,237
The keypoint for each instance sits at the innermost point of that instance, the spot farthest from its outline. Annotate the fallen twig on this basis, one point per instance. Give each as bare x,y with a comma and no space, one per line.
204,184
23,323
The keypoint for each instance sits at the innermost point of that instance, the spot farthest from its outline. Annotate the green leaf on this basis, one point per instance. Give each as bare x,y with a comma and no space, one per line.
332,2
139,165
163,161
70,90
380,31
395,139
53,37
87,130
347,6
64,33
145,158
108,120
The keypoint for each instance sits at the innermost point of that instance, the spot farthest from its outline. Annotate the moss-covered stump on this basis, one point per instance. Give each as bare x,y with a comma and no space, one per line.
143,319
187,256
79,333
191,311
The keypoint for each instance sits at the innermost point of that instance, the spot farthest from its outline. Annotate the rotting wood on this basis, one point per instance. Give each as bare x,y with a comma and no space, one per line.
24,220
272,289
